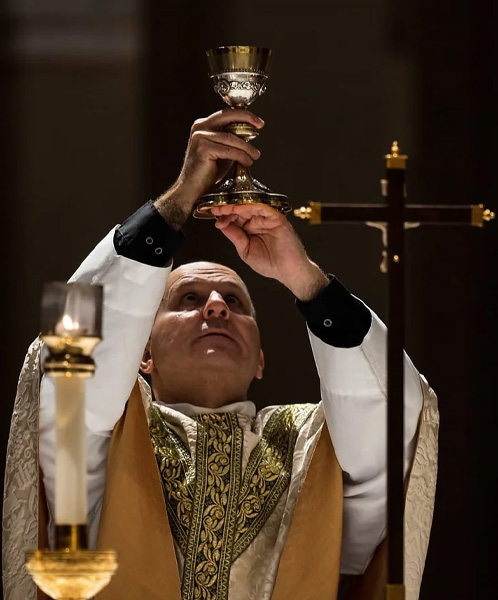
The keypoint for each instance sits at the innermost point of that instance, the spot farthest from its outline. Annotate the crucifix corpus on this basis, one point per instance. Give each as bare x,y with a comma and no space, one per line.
393,217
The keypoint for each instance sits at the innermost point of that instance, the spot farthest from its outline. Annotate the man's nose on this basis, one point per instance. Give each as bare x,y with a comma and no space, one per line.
216,307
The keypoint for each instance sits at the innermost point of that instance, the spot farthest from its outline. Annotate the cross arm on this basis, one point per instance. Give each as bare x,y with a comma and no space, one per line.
318,213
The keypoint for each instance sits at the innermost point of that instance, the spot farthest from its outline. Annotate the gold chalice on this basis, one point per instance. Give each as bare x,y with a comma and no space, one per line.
239,75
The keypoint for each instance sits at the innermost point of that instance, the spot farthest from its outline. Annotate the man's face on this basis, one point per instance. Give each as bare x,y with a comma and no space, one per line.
205,324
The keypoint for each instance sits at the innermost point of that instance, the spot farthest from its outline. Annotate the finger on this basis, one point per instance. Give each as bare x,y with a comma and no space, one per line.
258,224
222,210
228,209
236,235
228,139
248,209
224,214
224,220
214,151
264,212
220,119
252,217
238,220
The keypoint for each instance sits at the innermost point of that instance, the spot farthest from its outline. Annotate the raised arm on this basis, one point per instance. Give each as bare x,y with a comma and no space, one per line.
349,346
132,263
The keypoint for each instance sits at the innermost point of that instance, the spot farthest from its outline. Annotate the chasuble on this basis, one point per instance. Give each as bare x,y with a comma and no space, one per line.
266,518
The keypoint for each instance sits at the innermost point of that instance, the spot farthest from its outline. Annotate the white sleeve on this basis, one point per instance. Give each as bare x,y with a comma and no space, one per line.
132,294
353,386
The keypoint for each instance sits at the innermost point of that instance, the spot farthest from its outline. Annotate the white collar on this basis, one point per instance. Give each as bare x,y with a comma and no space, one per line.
246,408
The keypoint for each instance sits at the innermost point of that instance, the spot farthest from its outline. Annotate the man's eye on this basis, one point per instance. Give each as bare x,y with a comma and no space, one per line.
190,297
231,299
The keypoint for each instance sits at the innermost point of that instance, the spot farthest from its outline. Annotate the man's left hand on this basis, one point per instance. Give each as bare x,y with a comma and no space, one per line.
266,241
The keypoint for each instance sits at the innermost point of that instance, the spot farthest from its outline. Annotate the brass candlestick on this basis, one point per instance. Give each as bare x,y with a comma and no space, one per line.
239,75
71,574
71,328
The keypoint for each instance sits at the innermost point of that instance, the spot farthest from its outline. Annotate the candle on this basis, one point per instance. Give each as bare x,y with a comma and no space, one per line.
70,483
71,328
71,310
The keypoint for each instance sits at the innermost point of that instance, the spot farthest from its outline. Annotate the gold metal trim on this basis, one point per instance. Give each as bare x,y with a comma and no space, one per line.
238,58
276,201
395,160
479,214
71,575
395,592
243,130
313,213
79,345
69,366
71,537
69,356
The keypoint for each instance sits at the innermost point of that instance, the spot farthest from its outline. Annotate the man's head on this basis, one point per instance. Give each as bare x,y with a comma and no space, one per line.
204,346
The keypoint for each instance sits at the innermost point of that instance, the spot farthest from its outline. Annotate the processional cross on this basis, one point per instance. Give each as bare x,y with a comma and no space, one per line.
393,217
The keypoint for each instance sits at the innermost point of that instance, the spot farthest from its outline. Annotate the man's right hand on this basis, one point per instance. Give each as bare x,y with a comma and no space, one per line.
210,152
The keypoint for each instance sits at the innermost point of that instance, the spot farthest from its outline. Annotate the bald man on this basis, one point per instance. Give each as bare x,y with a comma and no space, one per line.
228,478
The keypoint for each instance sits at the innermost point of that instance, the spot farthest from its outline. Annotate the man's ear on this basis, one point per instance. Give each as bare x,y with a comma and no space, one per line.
261,366
147,364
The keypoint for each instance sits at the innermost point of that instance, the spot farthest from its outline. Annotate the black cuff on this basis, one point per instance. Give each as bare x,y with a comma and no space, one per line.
147,238
336,317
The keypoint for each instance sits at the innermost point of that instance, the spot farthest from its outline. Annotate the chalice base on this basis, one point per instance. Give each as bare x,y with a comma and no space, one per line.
71,574
257,193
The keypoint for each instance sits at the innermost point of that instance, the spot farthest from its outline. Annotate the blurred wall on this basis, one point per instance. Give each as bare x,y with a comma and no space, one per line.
98,104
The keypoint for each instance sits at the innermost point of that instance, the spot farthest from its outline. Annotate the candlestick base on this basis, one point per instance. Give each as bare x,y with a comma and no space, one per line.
71,574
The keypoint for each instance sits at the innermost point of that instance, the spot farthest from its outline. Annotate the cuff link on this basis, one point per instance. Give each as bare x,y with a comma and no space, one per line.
149,241
327,323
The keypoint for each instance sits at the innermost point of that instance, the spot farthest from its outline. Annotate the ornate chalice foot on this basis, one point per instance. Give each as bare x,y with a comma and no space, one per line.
239,75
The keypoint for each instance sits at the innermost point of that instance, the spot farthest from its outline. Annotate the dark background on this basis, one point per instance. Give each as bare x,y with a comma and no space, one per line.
96,102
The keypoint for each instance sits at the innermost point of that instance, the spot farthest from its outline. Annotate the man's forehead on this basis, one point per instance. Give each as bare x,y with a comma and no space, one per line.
203,271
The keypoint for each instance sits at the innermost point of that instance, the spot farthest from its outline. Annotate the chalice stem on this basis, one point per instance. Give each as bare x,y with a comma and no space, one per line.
242,179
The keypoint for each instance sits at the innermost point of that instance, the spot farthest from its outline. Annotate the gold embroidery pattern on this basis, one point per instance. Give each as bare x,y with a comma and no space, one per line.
214,513
218,476
268,472
177,475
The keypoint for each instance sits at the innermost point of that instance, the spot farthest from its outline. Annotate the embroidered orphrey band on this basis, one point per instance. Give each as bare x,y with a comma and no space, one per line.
214,511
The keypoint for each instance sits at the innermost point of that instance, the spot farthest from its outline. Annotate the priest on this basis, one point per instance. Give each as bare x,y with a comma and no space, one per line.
203,496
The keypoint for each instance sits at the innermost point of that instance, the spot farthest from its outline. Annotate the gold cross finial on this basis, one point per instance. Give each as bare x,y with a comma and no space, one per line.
395,160
488,215
480,214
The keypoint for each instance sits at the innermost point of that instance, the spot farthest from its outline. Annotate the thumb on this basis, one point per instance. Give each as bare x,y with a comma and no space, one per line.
234,233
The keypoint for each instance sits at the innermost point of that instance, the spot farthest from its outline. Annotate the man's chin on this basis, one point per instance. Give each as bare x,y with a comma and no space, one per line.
217,358
221,355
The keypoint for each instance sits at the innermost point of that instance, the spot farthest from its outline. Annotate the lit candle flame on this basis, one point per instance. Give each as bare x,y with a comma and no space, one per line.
69,324
66,326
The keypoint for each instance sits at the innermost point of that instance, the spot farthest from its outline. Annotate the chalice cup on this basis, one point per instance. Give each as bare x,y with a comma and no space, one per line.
239,75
